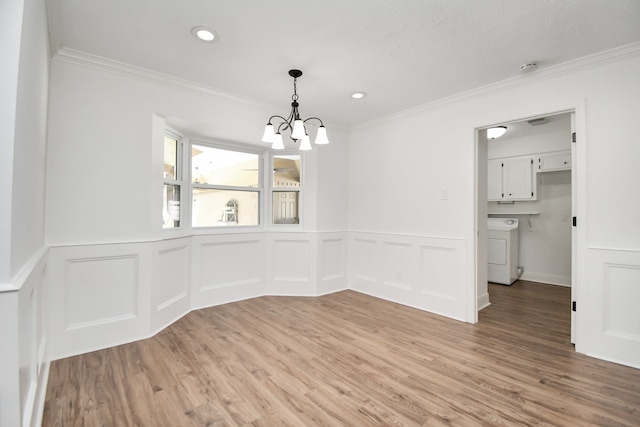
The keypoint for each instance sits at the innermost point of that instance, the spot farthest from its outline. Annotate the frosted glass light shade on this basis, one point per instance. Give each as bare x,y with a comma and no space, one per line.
321,136
496,132
298,130
277,142
268,133
305,143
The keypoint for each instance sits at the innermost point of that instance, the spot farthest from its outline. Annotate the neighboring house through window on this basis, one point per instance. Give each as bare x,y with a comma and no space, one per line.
286,188
226,185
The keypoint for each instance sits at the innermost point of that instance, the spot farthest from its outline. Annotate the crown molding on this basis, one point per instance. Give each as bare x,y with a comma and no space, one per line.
84,59
131,71
618,54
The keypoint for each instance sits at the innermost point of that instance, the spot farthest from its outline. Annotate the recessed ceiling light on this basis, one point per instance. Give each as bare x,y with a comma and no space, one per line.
205,34
358,95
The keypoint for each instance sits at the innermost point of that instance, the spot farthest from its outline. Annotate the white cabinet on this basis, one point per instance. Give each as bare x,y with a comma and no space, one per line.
511,179
557,161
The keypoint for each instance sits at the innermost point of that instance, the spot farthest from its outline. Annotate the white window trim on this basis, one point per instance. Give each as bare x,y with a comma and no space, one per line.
180,181
300,190
265,189
260,189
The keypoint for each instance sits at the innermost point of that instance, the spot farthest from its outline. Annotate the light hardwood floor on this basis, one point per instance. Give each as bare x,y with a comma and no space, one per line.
348,359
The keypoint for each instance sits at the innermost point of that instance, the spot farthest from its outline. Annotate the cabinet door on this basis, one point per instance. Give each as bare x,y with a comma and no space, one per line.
494,180
518,179
554,161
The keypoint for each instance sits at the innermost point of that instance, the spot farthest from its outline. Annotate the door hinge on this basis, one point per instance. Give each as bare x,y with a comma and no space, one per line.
573,137
573,306
575,221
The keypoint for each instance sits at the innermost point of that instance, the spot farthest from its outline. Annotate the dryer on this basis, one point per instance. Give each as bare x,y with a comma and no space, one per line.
503,250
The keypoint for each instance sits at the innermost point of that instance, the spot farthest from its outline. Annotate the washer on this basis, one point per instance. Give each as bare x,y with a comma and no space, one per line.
503,250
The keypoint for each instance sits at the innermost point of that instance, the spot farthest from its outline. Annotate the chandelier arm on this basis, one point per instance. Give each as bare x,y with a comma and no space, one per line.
276,116
286,123
314,118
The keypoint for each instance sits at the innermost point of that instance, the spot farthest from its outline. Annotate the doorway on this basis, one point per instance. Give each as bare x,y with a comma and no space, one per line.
541,199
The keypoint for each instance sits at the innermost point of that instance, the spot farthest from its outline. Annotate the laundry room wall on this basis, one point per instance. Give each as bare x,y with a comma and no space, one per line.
545,234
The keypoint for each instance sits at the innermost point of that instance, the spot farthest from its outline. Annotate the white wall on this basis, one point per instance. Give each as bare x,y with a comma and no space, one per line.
399,167
544,238
24,79
101,186
116,276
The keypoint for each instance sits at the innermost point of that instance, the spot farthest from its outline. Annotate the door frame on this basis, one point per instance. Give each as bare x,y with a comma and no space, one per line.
578,194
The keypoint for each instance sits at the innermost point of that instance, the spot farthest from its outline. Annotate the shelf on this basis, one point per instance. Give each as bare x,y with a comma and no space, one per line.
513,213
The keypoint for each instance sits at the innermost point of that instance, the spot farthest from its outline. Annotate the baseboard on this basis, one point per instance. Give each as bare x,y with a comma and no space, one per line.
547,278
483,301
41,394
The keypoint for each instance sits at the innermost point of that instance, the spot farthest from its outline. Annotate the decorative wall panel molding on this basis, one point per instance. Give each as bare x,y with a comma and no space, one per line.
24,367
110,294
622,294
332,253
171,282
422,272
173,268
607,296
332,261
100,290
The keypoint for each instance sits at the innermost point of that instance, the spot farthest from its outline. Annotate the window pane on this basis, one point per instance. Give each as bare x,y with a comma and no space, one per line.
223,167
223,208
286,171
171,206
170,158
285,207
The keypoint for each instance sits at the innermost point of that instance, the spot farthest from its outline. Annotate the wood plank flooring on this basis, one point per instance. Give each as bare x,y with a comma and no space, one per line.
348,359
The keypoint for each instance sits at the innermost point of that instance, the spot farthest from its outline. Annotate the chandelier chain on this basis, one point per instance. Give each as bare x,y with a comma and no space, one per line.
294,97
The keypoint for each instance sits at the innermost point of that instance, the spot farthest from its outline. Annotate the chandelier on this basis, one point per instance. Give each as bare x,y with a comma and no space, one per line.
273,130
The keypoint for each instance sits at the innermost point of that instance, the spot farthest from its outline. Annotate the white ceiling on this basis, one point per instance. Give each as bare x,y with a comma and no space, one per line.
403,53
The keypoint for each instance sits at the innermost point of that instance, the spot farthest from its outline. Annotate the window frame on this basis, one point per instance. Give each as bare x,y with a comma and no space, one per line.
260,189
273,189
179,180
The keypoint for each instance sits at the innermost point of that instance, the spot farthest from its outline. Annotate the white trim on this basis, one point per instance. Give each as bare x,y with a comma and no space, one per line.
127,70
591,61
23,274
483,301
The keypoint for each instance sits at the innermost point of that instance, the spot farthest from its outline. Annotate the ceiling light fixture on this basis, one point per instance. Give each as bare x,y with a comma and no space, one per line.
294,123
358,95
205,34
496,132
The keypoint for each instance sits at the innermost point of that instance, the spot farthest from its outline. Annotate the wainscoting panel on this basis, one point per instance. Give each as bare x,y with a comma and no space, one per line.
607,306
227,268
100,290
363,257
442,286
332,253
100,296
399,262
622,290
170,289
292,265
422,272
23,343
